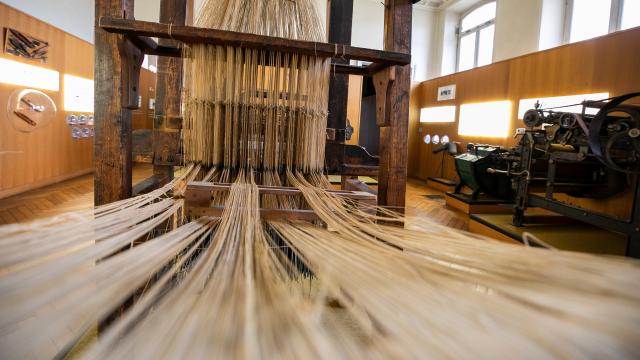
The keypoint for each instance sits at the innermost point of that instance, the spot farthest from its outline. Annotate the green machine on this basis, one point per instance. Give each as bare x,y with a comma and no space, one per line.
472,169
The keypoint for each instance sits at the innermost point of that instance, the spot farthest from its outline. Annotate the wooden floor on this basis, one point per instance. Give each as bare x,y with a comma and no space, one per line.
77,194
70,195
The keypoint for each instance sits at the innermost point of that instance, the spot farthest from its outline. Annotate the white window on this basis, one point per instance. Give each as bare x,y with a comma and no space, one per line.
586,19
475,41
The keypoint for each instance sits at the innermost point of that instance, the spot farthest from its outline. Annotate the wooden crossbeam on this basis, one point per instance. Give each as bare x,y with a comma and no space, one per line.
190,34
198,197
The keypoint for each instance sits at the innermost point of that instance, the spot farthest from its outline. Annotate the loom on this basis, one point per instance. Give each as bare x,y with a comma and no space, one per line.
239,255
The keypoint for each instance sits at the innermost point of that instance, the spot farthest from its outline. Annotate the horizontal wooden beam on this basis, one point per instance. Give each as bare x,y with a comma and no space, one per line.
195,187
151,47
265,214
198,201
357,185
190,34
149,184
359,170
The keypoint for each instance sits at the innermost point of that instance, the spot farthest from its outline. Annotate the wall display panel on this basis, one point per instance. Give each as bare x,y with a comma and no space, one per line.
78,93
18,73
438,114
486,119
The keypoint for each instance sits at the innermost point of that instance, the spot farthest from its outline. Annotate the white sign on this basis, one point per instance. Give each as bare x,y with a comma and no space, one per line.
447,92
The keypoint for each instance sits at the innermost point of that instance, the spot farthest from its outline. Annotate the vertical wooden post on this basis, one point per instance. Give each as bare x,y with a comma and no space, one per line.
392,173
340,17
168,94
112,141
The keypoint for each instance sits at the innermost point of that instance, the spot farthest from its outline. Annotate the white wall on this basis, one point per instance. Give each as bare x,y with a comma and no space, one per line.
147,10
421,42
72,16
368,31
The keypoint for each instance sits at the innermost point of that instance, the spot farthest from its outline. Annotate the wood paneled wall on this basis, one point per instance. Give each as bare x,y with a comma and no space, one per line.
354,104
607,64
143,117
48,154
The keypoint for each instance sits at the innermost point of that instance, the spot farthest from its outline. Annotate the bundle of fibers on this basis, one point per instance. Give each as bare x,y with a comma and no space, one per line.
241,287
253,109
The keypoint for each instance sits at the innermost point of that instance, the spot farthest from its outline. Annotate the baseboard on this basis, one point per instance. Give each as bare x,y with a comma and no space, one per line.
28,187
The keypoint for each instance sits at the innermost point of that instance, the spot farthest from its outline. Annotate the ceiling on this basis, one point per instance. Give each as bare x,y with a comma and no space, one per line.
434,4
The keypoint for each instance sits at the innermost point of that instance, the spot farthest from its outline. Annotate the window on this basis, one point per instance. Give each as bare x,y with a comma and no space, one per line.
488,119
475,42
587,19
630,14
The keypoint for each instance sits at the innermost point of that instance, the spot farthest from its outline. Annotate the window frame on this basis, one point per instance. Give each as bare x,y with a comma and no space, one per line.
615,18
476,29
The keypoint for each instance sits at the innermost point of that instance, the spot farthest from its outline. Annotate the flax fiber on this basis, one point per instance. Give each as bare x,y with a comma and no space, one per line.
344,286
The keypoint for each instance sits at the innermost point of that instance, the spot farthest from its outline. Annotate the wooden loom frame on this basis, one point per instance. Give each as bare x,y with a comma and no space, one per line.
120,45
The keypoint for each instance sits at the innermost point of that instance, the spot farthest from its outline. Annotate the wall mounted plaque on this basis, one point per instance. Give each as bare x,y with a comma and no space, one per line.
23,45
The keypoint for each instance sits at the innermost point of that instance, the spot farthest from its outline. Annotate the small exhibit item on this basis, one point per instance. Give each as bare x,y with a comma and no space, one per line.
20,44
447,92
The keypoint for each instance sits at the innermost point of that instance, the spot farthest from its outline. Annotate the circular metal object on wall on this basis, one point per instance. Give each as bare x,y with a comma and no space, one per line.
29,109
436,139
76,132
90,120
82,119
444,139
427,139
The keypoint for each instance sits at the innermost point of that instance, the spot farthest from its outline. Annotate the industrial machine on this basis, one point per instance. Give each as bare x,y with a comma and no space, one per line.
472,170
593,154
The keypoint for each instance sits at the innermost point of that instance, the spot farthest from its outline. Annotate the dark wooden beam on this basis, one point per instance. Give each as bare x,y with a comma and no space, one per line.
392,176
340,18
201,191
149,184
357,185
189,34
166,142
198,198
112,141
265,214
150,47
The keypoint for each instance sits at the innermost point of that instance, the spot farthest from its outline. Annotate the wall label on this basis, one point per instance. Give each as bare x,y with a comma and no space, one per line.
447,92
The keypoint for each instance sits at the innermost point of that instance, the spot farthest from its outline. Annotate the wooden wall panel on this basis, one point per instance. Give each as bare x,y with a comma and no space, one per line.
354,103
143,117
607,64
48,154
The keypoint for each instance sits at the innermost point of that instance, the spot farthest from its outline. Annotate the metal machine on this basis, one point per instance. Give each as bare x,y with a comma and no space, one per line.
593,154
472,169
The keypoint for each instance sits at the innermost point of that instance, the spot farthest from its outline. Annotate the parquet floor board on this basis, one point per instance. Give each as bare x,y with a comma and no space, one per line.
70,195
